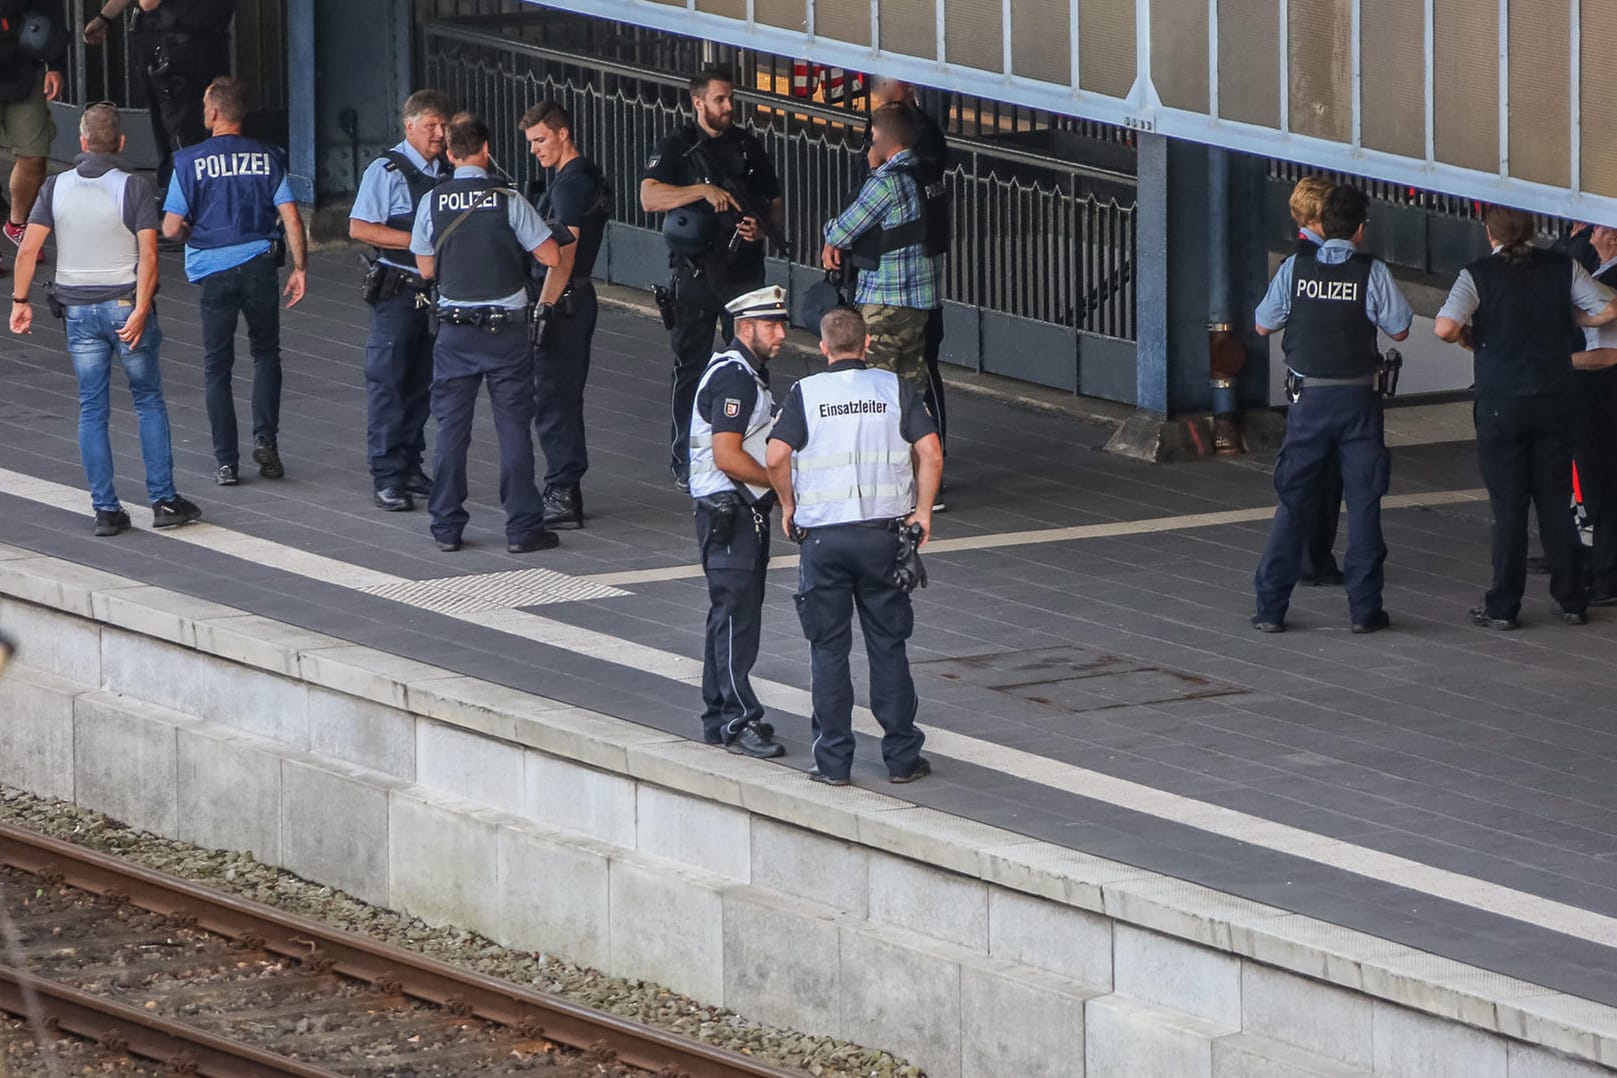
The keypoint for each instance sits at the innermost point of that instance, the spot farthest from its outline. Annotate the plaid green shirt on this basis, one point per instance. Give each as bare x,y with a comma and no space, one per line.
906,277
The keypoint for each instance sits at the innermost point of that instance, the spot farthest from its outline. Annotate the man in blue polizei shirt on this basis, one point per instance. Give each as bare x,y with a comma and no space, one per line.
230,202
1332,301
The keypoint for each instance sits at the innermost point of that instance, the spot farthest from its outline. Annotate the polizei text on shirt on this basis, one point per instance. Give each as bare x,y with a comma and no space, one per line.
865,407
468,200
216,165
1308,288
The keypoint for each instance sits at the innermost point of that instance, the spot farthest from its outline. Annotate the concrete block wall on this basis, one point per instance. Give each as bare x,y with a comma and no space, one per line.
973,951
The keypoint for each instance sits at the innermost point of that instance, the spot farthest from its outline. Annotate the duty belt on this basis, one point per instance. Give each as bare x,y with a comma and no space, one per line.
1325,383
493,319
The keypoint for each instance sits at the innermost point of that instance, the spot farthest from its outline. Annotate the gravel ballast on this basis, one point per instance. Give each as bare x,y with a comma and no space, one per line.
239,873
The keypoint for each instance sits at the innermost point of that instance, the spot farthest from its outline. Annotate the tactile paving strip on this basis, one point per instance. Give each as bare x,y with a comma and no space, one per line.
494,591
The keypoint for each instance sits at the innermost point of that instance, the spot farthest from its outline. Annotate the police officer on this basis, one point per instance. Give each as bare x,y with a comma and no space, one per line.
853,456
1331,302
577,198
715,243
180,47
230,202
398,349
1595,431
730,426
473,236
1521,304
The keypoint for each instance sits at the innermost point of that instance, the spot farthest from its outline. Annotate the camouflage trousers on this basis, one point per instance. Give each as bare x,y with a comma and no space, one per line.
897,341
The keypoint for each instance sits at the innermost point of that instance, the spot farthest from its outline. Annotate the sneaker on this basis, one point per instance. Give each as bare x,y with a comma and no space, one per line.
1263,625
922,768
268,460
173,512
1571,617
816,775
111,522
752,741
15,233
448,546
1479,616
226,476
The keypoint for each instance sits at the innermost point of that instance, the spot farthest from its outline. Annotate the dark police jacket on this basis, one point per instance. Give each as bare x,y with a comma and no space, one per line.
1329,334
479,260
738,154
1522,327
578,197
20,76
187,22
229,183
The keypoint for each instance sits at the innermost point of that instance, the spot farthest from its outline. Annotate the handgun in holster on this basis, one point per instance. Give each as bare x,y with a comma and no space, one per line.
665,305
909,573
1387,373
57,308
723,509
1294,386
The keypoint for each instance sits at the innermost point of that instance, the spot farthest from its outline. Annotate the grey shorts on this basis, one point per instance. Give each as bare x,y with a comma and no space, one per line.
26,126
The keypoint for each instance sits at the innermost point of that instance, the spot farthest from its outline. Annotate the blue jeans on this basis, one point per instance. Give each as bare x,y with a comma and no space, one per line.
92,339
251,290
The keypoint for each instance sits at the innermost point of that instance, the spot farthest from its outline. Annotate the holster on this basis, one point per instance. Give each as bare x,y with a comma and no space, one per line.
55,305
665,306
1294,387
723,509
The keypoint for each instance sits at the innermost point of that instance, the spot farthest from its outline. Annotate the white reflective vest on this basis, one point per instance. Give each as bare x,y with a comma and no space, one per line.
706,478
856,465
93,245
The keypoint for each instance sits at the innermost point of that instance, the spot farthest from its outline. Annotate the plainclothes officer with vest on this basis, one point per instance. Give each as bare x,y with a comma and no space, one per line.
854,456
473,236
105,222
578,199
1521,304
730,426
398,348
895,233
180,47
1331,302
230,201
715,243
1595,430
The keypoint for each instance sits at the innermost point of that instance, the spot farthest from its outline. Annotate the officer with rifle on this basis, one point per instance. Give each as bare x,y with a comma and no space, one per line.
721,198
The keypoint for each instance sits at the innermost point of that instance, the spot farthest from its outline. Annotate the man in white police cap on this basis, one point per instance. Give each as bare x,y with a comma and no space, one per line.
730,425
855,459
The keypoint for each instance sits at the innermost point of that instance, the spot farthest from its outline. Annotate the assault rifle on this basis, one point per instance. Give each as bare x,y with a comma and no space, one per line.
750,206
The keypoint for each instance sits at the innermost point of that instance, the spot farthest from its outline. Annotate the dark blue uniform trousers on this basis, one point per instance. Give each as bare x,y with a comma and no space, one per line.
251,291
736,575
1524,449
1595,429
1347,421
844,569
561,366
398,387
464,358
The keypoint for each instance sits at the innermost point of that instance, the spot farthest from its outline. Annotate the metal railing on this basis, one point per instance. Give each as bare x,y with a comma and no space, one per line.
1035,236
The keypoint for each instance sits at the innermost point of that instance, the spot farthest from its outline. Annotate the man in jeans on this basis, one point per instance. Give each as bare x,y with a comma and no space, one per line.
229,200
105,222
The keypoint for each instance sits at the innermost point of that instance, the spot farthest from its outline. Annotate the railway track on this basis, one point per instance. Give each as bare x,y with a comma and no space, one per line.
210,984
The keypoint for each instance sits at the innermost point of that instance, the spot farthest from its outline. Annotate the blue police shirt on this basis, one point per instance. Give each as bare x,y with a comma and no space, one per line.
1383,303
525,221
384,192
229,188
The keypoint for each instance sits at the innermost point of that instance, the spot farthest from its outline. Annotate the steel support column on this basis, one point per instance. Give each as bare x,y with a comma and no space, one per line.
361,59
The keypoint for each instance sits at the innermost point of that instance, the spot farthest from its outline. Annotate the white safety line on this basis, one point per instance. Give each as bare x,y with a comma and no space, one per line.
1136,797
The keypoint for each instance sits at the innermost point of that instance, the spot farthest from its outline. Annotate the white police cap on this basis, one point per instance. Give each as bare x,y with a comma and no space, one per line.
766,302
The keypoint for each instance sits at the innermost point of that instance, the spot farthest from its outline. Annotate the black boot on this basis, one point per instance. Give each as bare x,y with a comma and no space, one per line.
564,507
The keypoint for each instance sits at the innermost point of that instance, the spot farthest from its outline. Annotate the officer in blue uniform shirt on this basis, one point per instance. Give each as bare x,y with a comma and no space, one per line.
473,237
230,202
1332,301
730,424
578,199
398,349
854,456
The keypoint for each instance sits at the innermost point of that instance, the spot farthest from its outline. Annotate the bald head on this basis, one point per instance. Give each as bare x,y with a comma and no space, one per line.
887,90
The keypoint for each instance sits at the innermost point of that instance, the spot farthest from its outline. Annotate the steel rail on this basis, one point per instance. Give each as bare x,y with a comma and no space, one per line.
128,1029
391,969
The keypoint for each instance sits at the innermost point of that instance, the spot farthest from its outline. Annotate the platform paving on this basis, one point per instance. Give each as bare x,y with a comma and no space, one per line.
1097,687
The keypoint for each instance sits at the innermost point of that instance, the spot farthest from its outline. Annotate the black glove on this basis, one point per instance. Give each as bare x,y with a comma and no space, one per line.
909,573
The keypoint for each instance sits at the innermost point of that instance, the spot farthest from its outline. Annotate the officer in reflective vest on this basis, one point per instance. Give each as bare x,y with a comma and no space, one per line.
730,424
473,236
230,201
854,456
1331,302
398,349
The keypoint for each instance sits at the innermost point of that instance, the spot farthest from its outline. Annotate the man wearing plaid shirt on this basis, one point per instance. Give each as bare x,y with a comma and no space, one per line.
884,234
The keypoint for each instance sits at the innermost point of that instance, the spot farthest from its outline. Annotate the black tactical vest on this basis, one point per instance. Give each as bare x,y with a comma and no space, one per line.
479,259
1522,325
1328,334
420,184
930,229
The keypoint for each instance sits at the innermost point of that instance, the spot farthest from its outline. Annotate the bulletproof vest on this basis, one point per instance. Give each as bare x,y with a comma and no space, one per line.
419,183
706,478
593,229
1328,334
739,157
930,229
855,465
229,182
479,259
1522,325
94,247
